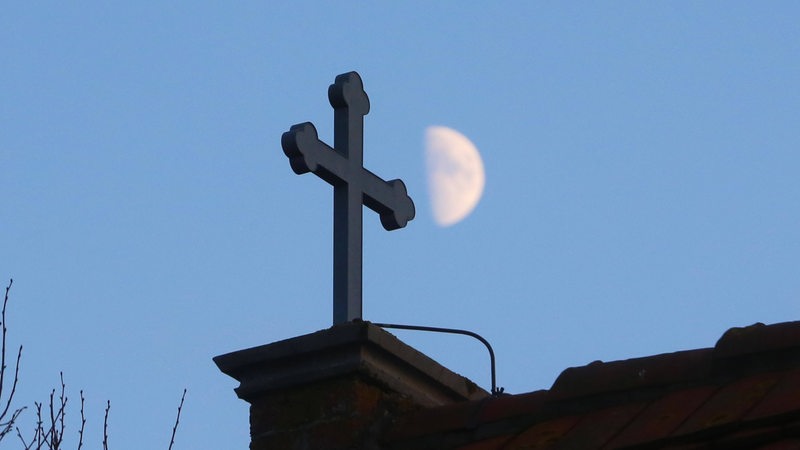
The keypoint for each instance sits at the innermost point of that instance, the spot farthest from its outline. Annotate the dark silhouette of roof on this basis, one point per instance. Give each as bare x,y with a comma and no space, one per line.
744,393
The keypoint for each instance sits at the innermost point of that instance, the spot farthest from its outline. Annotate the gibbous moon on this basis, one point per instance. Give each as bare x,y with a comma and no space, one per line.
455,174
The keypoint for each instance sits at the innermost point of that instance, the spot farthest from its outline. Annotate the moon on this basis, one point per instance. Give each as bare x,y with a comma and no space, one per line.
455,174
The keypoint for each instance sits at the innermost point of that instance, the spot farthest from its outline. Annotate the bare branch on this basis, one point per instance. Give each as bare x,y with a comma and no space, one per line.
13,385
83,424
177,420
38,437
38,432
8,425
105,426
52,436
24,444
3,350
52,432
62,411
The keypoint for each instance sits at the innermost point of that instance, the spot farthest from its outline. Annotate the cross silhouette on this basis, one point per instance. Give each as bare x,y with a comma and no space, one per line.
343,167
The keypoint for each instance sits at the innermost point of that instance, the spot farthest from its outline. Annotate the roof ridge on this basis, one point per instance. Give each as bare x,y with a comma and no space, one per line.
763,346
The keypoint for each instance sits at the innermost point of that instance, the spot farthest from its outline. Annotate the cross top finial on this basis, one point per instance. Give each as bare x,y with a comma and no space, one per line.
353,185
347,91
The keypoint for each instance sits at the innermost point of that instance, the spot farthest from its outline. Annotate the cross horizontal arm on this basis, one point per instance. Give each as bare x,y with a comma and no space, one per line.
308,154
389,199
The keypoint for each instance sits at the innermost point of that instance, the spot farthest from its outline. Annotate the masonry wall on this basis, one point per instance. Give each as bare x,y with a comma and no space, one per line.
337,389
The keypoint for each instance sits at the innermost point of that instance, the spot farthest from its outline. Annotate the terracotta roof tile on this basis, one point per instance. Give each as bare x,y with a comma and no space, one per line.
687,446
749,438
596,429
488,444
786,444
758,338
545,435
600,378
783,398
730,403
743,393
503,407
663,416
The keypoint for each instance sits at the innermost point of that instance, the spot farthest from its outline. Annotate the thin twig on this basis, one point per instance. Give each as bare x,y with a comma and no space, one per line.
55,435
8,426
3,364
3,351
105,426
16,413
25,445
39,430
52,432
177,420
63,409
83,424
13,385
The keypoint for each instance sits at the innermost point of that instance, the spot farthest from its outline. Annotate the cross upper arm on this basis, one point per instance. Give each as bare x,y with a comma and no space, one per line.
308,154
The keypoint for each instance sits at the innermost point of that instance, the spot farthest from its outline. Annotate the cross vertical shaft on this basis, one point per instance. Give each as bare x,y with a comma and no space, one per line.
348,218
353,185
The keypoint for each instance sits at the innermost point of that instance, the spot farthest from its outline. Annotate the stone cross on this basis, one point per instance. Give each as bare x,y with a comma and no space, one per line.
343,167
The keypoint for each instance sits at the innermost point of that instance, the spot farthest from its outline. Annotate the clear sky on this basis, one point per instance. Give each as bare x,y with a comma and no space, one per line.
641,197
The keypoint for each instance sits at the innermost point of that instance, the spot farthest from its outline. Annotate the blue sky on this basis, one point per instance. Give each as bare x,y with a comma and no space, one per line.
641,188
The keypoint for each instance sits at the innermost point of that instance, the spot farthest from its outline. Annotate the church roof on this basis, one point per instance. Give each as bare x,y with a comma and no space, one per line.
742,393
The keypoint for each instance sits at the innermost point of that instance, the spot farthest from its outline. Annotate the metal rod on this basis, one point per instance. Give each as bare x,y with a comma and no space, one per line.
495,390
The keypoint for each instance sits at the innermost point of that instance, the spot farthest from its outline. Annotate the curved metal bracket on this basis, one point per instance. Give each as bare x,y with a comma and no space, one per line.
495,390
